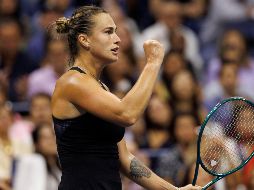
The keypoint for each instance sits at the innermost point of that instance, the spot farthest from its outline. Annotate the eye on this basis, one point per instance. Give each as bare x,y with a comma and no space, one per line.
109,32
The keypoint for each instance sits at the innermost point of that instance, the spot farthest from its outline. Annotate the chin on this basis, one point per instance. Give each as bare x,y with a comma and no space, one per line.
112,59
115,60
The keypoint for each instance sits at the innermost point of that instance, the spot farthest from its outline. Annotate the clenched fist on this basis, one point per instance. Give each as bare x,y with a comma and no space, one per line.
154,51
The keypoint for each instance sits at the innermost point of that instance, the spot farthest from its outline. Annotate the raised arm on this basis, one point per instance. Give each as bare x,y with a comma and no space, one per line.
137,98
139,173
87,93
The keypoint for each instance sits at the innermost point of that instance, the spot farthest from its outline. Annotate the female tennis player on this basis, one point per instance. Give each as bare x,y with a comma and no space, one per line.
89,121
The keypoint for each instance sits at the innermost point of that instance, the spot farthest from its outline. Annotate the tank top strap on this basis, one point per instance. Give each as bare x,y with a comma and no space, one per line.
81,71
77,69
104,86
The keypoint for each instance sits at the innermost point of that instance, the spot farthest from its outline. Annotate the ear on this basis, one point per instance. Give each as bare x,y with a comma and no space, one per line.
84,41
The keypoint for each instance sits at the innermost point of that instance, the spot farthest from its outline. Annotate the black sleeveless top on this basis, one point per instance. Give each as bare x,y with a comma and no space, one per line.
88,152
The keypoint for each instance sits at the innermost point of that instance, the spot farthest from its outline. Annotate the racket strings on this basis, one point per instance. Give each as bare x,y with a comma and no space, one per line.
227,139
218,117
233,133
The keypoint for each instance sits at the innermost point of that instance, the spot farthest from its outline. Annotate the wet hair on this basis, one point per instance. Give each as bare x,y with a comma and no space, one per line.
81,22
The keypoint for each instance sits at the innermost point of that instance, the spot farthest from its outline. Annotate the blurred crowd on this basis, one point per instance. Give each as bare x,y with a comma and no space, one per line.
209,57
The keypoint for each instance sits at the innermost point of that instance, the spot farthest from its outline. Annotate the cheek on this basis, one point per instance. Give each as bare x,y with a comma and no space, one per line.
100,41
98,49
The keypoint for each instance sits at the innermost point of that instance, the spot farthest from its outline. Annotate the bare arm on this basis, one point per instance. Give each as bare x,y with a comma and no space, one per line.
137,98
85,92
142,175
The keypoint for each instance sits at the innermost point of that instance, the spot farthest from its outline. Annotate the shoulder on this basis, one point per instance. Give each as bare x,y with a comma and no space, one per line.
70,79
73,84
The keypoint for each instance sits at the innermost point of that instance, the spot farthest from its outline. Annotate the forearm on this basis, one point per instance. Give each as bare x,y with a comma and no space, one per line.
143,176
137,98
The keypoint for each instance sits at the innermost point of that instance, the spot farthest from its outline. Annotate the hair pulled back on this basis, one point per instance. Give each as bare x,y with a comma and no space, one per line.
81,22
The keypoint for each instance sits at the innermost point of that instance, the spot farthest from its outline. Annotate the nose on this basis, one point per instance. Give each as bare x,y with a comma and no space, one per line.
117,39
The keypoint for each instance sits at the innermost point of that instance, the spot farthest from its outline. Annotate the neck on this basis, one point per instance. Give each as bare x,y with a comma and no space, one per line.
89,65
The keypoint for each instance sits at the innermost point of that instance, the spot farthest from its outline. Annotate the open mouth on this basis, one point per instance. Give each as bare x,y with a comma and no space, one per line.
115,50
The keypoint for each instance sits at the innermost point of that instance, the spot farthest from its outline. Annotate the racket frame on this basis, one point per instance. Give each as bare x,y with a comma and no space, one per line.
199,161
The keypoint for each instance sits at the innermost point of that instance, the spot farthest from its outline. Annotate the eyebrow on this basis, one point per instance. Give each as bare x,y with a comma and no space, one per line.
111,28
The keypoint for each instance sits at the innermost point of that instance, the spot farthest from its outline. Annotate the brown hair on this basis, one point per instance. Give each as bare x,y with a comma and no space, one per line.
81,21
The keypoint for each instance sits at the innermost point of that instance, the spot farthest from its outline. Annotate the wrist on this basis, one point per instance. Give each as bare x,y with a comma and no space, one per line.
154,62
152,66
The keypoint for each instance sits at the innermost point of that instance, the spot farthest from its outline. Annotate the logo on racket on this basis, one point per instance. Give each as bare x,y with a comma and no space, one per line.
213,163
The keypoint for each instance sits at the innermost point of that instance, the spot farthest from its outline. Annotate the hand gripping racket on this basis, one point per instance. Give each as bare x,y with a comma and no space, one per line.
226,139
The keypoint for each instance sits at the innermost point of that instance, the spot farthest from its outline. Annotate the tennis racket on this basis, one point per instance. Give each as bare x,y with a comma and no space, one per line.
226,139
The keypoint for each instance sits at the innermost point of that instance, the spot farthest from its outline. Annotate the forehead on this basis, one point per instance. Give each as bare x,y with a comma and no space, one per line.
102,21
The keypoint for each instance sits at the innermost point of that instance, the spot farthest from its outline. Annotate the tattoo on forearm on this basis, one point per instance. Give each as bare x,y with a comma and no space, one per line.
138,170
